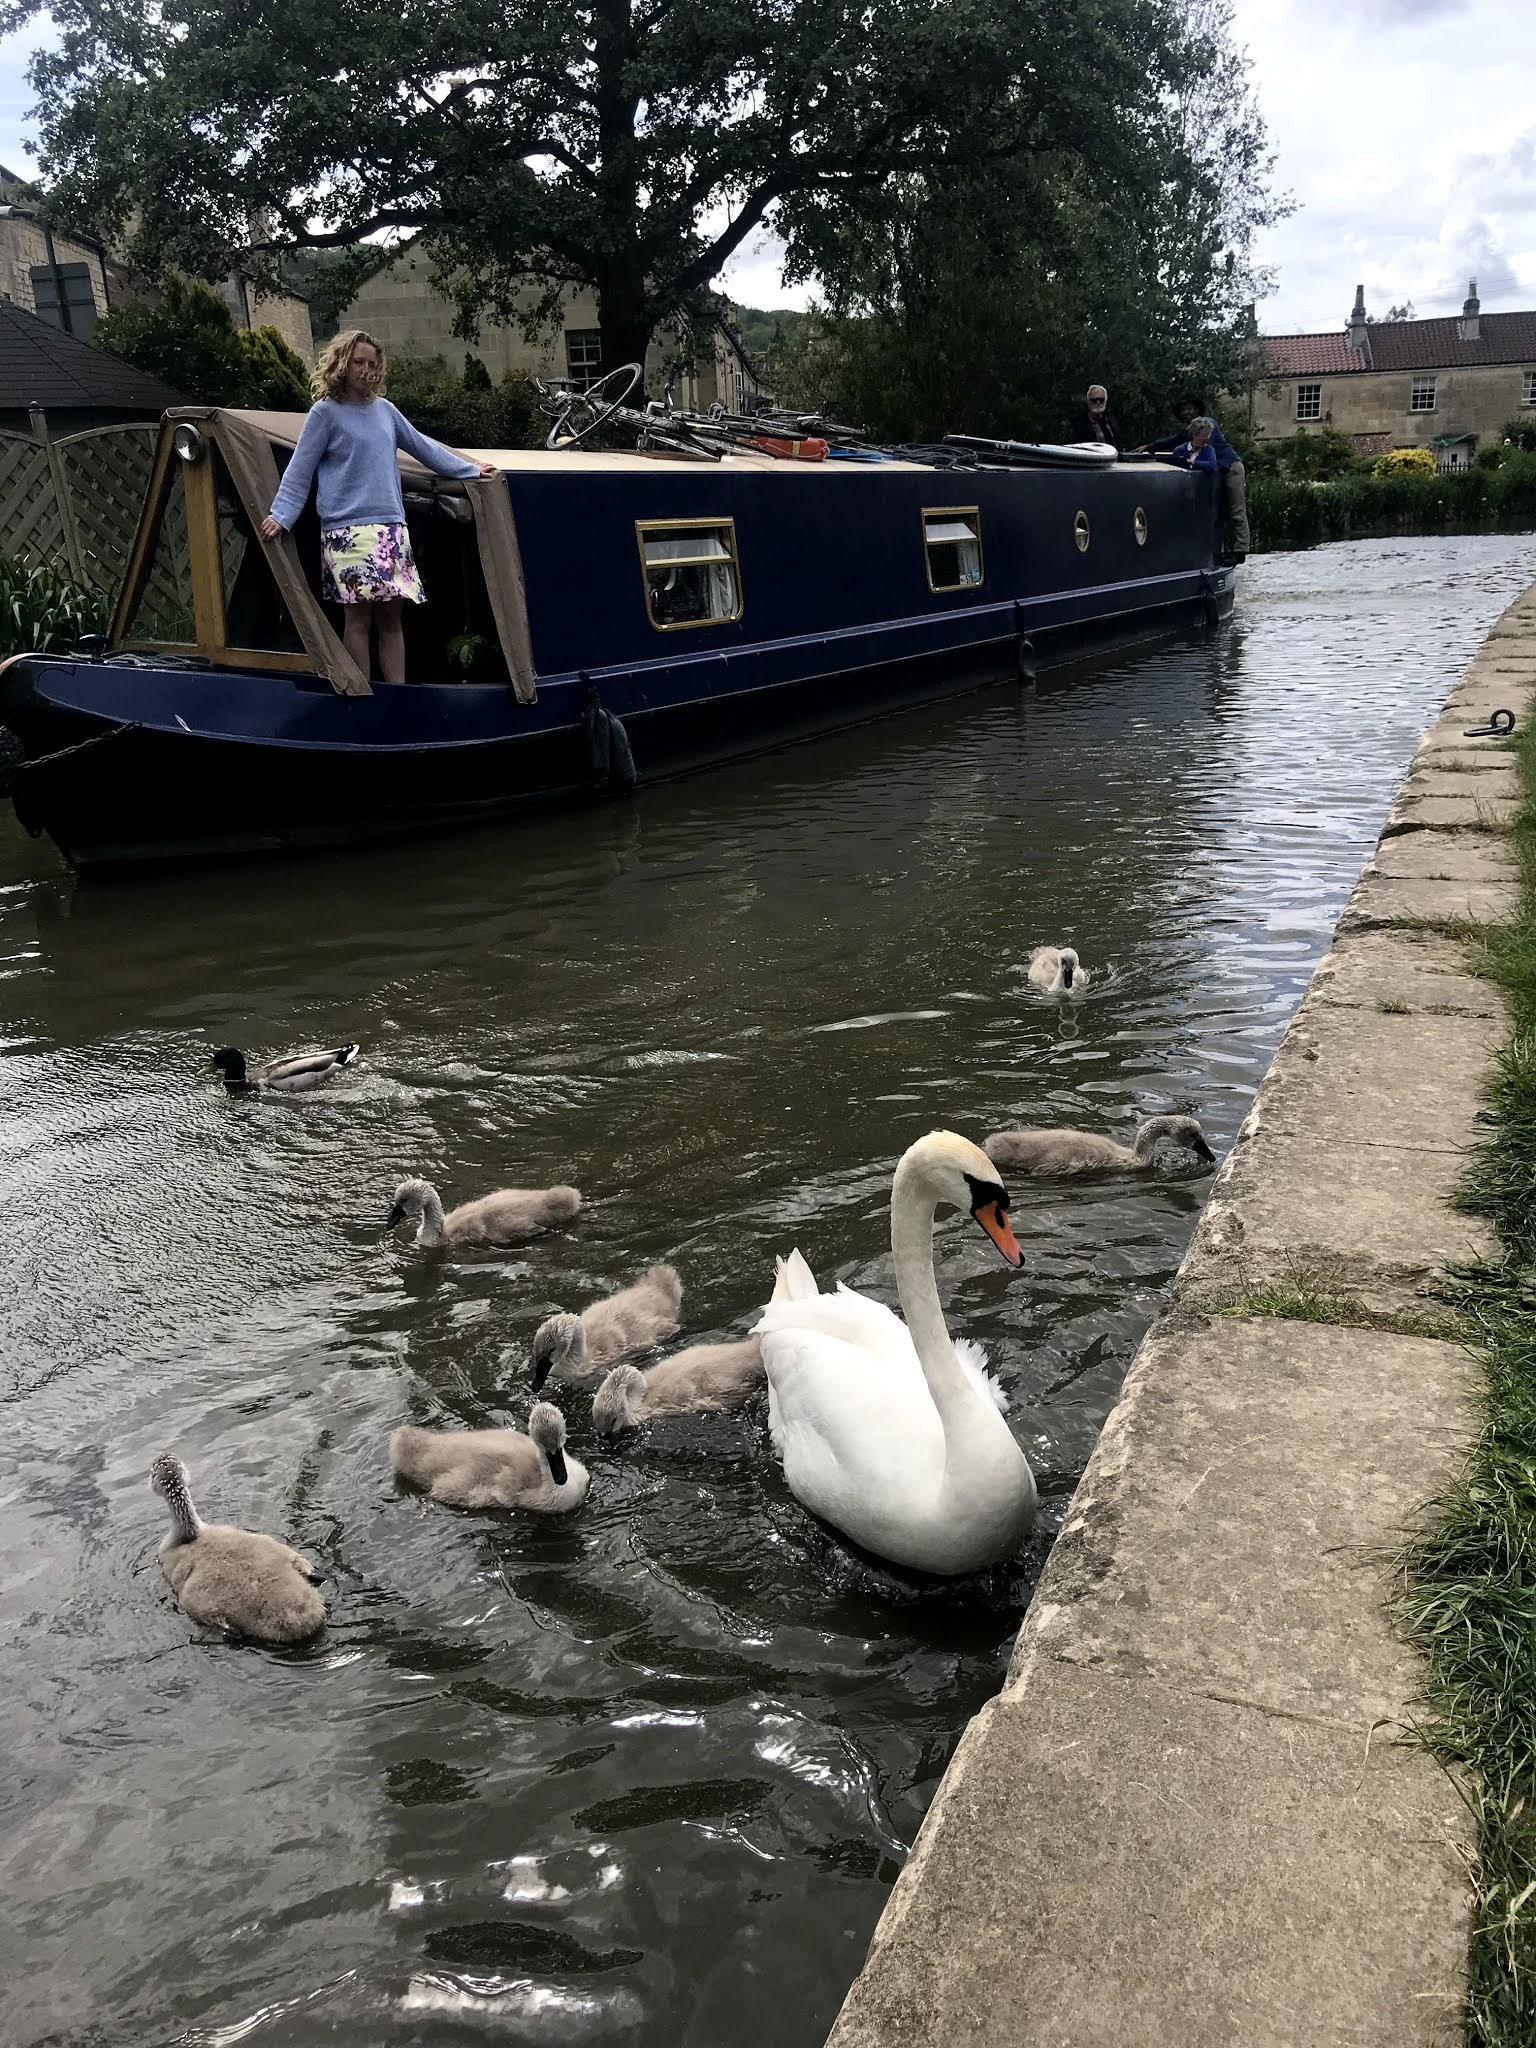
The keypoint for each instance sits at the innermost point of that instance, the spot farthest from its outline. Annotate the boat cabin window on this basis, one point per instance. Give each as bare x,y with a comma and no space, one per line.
691,573
952,537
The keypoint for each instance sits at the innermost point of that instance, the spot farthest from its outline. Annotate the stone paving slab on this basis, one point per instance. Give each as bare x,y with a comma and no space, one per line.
1421,969
1111,1863
1384,900
1373,1223
1376,1079
1235,1530
1414,813
1475,857
1498,786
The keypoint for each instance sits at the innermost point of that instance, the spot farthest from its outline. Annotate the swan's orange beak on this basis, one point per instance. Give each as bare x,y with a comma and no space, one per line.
993,1218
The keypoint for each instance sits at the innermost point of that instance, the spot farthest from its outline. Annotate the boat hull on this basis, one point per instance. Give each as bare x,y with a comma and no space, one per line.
204,770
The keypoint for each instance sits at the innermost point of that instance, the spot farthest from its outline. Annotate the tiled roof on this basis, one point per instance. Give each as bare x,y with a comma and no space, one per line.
1308,355
1433,344
42,365
1404,345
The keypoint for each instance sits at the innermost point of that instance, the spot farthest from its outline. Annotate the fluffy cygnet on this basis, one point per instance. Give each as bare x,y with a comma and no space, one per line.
494,1468
1055,970
234,1579
578,1347
704,1379
499,1218
1083,1152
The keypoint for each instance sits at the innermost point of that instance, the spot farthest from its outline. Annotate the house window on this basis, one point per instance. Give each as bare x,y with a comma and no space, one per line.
1309,401
691,573
1422,396
583,355
1528,388
952,538
62,295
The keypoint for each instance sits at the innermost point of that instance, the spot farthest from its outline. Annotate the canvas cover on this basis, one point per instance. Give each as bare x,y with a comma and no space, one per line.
246,441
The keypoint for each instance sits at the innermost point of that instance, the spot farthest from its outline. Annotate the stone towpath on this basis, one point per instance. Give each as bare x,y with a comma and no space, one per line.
1193,1817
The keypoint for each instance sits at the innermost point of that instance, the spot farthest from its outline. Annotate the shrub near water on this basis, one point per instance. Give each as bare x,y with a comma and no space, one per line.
1290,512
42,612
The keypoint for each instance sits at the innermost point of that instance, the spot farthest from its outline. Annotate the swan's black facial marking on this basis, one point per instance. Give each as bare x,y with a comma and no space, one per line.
557,1470
1066,973
1202,1150
984,1192
541,1370
395,1217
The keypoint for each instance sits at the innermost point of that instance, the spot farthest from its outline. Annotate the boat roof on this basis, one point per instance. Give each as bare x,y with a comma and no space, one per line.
283,430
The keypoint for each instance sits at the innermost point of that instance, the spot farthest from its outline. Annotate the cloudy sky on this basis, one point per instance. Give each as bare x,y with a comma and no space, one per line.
1405,130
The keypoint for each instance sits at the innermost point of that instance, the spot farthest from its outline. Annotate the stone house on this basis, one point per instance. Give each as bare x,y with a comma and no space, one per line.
400,305
70,280
1437,384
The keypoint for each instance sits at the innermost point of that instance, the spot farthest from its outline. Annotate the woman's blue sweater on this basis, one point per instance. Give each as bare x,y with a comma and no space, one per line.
351,446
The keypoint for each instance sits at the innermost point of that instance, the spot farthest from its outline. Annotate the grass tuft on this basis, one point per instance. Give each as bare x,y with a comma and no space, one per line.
1471,1599
1392,1006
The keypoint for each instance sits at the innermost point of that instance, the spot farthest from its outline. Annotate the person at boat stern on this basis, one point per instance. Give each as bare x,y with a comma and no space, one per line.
1095,424
1234,478
347,453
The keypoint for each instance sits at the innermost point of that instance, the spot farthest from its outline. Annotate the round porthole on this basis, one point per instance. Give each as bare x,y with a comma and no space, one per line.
1140,524
187,442
1080,532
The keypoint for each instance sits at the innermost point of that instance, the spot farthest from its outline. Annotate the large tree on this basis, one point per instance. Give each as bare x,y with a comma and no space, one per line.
628,145
993,298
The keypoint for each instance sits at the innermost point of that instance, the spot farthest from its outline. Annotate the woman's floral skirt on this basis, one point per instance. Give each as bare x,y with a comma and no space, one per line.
368,565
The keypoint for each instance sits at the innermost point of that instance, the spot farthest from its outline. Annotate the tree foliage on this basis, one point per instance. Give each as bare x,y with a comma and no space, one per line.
993,296
188,340
631,146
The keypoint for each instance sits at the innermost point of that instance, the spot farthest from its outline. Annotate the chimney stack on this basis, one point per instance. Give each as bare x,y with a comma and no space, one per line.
1468,327
1357,332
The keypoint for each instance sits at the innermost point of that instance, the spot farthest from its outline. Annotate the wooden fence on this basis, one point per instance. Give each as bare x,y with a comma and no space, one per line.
73,504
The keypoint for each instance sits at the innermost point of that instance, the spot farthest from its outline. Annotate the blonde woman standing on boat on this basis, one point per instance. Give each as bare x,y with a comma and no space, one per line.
347,451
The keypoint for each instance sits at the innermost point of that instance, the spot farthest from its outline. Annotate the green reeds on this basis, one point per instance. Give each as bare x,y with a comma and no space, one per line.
1471,1599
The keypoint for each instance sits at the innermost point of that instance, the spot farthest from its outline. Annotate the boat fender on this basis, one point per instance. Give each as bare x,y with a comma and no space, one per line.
609,754
1210,611
1028,664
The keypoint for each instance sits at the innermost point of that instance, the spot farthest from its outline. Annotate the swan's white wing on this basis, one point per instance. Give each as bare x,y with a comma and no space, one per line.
855,1435
973,1361
793,1279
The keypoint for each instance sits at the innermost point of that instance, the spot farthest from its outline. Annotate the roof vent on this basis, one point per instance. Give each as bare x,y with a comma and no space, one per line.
1468,327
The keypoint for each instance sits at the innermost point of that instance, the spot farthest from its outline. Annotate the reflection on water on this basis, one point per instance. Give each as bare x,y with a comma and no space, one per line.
643,1777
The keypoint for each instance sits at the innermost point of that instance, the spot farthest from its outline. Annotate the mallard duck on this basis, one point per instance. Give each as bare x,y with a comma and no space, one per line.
290,1076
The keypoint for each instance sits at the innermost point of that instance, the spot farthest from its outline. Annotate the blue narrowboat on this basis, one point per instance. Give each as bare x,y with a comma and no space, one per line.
594,620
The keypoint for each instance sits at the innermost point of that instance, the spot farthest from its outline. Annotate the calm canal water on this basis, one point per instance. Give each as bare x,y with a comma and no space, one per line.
643,1777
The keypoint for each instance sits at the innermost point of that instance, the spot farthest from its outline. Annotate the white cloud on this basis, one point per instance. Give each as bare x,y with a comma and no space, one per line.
1403,130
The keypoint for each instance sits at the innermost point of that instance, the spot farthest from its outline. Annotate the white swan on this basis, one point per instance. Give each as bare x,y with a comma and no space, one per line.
1056,971
890,1431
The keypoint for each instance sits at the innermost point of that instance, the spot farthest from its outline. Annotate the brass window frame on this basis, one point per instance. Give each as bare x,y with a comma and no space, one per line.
927,512
655,527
